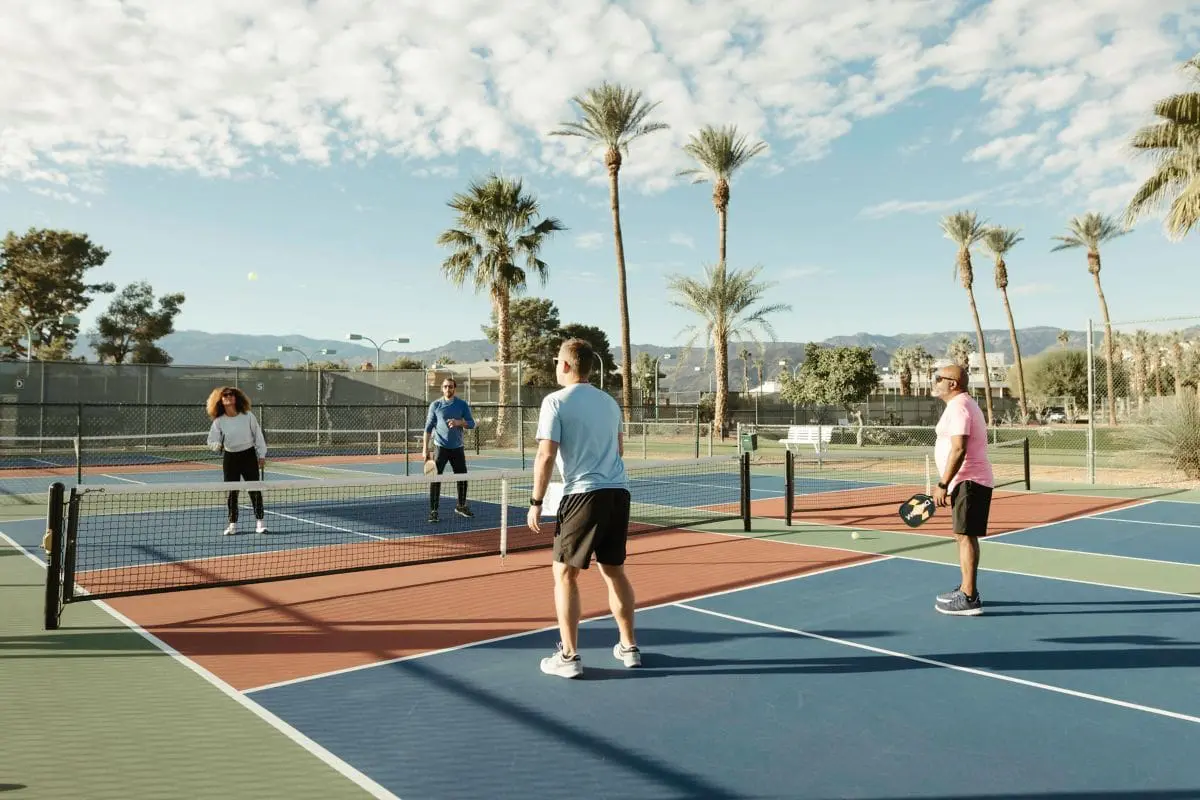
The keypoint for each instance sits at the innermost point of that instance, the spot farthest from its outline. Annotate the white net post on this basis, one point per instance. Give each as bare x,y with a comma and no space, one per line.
503,518
378,443
928,476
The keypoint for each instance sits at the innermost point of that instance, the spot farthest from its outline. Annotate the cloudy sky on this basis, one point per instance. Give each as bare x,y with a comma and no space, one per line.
316,143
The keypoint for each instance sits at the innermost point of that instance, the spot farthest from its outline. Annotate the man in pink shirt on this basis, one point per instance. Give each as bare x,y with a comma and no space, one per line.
965,483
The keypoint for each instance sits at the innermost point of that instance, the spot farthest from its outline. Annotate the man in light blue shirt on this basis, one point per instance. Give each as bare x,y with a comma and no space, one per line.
580,430
448,417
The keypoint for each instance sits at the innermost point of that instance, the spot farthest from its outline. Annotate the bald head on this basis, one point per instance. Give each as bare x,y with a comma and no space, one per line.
955,373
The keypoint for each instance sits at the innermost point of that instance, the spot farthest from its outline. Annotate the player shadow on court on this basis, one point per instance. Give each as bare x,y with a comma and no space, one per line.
1026,608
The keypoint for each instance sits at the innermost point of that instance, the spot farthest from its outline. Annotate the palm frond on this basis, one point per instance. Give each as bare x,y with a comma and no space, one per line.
611,115
999,241
1090,231
720,152
964,228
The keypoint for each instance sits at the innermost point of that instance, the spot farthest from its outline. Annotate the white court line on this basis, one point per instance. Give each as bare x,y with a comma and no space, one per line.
1041,548
1090,515
930,662
326,757
945,541
1148,522
871,558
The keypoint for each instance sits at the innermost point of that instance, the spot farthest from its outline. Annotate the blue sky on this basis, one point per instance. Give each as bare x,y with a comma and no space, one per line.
324,165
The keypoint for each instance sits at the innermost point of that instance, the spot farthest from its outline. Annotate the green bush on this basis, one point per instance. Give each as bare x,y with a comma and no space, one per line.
1175,434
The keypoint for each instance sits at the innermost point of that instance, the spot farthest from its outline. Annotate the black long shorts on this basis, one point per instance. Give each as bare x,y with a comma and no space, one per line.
592,523
970,505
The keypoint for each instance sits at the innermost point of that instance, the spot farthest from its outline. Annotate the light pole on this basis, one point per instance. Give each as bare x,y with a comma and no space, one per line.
601,360
710,379
324,351
63,319
356,337
239,358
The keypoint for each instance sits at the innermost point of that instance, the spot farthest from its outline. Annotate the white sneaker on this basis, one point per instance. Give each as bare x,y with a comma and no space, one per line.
629,656
231,529
561,666
261,527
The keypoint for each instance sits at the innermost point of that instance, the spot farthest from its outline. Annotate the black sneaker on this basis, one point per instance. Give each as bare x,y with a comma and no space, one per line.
433,516
959,605
464,511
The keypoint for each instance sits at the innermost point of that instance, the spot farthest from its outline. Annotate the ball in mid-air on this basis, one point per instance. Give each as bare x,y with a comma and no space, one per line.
253,276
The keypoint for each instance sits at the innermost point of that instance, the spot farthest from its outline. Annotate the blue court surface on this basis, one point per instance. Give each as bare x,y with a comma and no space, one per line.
1158,531
840,684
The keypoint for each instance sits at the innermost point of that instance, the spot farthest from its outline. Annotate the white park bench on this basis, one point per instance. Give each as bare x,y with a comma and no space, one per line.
815,436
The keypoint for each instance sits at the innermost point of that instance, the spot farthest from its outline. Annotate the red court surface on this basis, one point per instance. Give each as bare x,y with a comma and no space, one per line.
260,634
1011,511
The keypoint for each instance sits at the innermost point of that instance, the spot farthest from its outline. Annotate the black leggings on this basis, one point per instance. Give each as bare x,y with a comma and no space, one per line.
457,456
242,466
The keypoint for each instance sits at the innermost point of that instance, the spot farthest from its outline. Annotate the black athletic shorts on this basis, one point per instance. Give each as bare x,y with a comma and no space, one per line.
595,522
970,504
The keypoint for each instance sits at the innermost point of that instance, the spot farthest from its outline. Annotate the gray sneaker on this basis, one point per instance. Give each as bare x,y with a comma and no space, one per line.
560,665
959,605
629,656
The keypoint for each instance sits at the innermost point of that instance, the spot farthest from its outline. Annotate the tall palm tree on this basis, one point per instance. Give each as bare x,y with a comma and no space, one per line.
998,242
745,355
965,230
902,363
497,231
1090,231
960,351
1174,142
730,304
720,152
1064,339
612,116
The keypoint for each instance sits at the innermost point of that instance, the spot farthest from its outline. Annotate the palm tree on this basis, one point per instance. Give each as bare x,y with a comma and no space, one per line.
720,152
998,242
729,303
612,116
745,355
1174,142
1064,339
1090,231
960,351
498,229
964,229
902,363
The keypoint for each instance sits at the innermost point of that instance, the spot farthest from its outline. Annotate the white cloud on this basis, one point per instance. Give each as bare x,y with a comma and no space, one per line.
681,240
892,207
588,241
1026,289
212,88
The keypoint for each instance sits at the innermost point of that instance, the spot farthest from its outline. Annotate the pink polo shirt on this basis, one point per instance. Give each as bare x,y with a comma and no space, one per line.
963,417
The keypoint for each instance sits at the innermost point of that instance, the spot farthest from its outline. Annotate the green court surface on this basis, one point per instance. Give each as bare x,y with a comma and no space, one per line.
97,710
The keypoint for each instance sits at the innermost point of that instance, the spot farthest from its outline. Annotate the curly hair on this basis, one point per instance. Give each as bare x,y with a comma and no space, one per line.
216,408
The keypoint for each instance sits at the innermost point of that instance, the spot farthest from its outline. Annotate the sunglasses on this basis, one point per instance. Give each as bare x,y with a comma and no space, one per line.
940,378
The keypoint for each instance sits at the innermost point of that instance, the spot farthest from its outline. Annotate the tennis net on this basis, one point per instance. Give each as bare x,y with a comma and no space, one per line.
112,541
867,477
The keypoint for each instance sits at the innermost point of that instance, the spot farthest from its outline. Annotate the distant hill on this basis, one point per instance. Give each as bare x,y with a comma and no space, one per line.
204,349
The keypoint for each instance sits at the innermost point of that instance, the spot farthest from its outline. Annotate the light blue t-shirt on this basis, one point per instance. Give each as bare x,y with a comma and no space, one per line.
585,422
441,410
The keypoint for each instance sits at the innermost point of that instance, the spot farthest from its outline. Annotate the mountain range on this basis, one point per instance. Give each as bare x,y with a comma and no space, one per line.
199,348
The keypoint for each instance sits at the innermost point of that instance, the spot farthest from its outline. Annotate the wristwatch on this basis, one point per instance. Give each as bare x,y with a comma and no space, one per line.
533,501
941,485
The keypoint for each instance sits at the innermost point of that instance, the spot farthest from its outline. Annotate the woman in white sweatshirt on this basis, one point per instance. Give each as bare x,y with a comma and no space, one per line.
237,435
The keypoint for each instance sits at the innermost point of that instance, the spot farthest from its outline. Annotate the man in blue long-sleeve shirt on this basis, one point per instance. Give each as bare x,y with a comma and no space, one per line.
448,417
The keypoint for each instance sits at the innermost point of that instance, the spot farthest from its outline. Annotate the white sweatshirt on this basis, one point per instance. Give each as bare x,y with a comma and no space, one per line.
237,433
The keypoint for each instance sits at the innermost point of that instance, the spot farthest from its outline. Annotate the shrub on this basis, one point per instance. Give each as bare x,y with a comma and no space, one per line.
1175,434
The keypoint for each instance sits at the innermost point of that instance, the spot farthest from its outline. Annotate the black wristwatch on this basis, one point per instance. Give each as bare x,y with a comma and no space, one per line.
533,501
942,486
